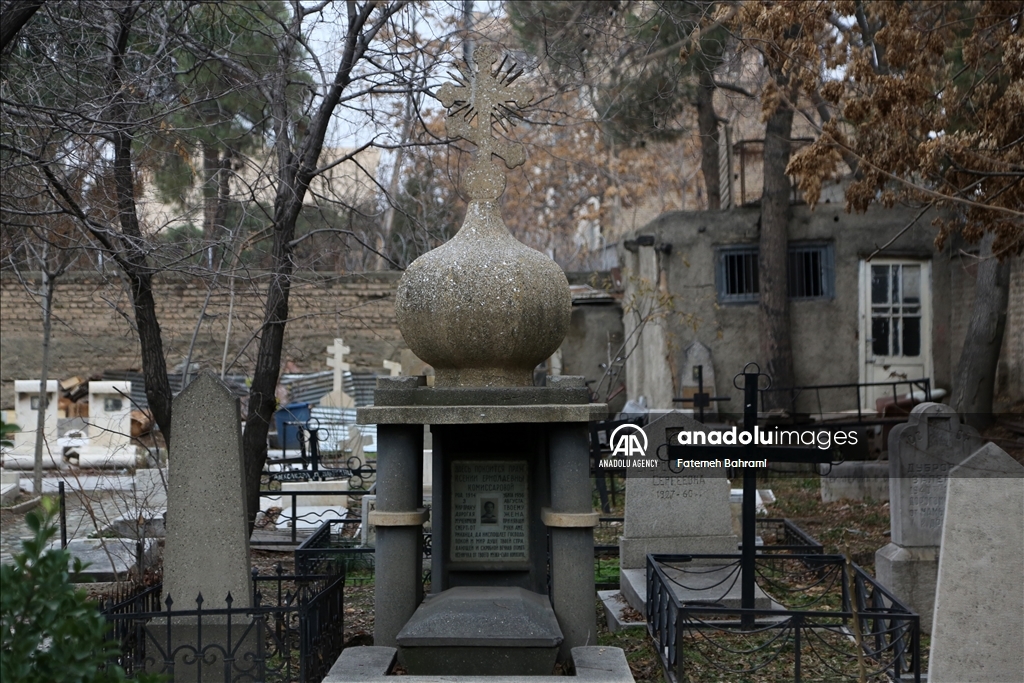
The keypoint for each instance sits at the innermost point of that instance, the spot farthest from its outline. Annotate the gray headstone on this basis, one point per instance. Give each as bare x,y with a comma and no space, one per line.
207,546
669,513
978,629
921,454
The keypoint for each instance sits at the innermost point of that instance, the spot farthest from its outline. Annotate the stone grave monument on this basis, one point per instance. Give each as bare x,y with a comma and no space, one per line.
207,545
109,427
921,454
510,460
978,625
22,456
671,513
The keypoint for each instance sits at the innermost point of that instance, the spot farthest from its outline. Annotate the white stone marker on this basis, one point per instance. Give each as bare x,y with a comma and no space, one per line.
336,360
109,427
22,456
978,632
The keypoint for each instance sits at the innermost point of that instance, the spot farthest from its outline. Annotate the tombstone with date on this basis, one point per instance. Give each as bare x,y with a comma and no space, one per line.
978,629
921,454
670,512
510,460
207,545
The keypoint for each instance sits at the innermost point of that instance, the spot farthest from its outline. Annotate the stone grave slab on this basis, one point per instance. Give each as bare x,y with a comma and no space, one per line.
490,630
107,559
706,585
978,623
109,427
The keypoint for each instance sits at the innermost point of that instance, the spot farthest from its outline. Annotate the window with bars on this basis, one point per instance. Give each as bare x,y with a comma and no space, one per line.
810,272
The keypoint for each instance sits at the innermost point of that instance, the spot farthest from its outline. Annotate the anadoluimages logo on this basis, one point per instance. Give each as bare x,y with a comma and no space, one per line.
625,440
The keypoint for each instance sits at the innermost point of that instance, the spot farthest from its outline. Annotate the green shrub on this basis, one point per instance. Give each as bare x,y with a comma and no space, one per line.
50,631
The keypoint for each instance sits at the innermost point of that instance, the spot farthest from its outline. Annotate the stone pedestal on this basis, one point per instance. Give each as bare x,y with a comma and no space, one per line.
509,464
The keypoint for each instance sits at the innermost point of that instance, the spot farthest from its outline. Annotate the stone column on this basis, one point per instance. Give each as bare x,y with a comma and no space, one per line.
571,519
399,520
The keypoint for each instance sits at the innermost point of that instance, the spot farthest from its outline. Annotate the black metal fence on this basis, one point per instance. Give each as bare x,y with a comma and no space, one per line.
822,619
293,630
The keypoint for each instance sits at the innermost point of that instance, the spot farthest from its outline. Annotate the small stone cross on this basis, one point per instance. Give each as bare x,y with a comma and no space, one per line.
485,96
336,360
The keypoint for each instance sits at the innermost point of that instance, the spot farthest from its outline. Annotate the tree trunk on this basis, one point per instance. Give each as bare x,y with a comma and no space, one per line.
48,284
133,260
976,369
776,346
707,122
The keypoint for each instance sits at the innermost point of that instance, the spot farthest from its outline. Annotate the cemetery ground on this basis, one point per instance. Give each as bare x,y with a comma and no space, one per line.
856,528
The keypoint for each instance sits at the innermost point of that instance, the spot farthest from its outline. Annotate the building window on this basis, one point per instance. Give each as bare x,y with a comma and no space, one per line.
811,273
737,274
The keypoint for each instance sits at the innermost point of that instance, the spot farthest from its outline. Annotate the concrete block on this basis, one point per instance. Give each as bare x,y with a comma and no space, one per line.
910,574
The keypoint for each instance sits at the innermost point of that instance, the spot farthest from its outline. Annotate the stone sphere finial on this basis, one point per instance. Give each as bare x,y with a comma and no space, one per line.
483,308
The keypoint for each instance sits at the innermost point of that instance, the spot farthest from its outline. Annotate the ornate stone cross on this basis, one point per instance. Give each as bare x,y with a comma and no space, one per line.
485,97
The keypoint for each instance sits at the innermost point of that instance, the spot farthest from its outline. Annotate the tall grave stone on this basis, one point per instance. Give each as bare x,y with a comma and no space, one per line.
510,460
207,544
668,512
978,629
922,452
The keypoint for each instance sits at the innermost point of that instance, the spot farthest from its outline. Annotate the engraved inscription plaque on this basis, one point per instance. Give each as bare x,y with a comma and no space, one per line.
489,520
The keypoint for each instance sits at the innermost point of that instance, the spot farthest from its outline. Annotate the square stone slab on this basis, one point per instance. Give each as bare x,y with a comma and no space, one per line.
481,631
705,584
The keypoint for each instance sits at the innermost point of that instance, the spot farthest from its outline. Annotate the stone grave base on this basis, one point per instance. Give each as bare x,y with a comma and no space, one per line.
855,481
22,460
911,574
721,589
369,664
633,552
486,631
613,604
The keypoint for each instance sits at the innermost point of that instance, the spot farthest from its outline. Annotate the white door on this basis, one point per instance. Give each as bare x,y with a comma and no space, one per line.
895,324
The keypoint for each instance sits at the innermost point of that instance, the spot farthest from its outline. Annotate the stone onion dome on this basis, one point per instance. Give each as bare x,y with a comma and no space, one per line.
484,309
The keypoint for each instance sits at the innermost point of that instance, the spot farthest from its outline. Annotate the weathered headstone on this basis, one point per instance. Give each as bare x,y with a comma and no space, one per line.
921,454
207,546
671,513
22,456
978,631
109,426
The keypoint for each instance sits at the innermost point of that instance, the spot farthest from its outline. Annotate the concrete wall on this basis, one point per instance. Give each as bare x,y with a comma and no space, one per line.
595,337
825,333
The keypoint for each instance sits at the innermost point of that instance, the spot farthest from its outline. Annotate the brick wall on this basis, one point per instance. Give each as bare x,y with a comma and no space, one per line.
93,323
